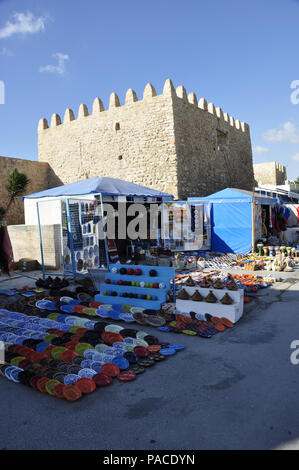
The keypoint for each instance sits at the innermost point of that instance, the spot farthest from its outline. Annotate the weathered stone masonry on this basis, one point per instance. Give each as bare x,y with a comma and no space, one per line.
38,173
269,173
170,142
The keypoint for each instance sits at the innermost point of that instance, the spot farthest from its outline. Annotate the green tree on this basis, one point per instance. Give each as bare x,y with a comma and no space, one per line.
16,185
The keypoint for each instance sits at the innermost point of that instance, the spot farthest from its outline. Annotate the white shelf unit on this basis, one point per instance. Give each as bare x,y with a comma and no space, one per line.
233,312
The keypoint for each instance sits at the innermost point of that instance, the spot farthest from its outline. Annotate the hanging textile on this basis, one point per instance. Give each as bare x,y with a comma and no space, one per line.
293,214
6,254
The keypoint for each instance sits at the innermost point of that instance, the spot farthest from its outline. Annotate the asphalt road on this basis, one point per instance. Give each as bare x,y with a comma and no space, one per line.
237,390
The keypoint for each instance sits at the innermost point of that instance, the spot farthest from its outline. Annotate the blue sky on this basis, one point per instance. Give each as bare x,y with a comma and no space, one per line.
241,55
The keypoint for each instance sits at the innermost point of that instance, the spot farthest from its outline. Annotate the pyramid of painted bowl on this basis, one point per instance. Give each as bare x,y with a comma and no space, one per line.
211,298
226,300
232,285
197,297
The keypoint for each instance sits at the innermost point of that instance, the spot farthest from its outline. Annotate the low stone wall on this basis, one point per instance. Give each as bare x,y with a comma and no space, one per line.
26,243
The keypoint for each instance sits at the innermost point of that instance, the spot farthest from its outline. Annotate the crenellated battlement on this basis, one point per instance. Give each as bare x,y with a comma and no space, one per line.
270,173
172,141
131,99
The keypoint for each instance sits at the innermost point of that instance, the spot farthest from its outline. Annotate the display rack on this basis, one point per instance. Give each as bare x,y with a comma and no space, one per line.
232,312
80,242
179,219
157,294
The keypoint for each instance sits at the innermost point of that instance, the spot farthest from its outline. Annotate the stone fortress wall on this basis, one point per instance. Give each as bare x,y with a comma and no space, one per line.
171,142
38,173
270,173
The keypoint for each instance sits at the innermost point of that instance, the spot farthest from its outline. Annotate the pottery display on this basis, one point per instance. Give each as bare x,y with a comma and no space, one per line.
211,298
197,297
183,295
226,300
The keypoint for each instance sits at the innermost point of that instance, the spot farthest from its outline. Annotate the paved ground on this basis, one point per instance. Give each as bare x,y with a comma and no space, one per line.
238,390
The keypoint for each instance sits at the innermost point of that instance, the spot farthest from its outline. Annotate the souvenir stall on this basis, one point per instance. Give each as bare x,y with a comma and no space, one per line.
238,219
291,214
78,209
187,225
186,232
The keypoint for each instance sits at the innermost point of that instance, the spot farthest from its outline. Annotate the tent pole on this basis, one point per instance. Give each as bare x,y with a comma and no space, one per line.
253,221
40,242
69,226
104,232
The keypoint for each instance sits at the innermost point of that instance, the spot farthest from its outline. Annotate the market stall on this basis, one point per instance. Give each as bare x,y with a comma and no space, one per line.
188,226
79,209
237,219
291,214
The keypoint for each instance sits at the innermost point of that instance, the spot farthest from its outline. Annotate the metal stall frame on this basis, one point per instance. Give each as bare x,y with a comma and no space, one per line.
75,274
206,226
66,199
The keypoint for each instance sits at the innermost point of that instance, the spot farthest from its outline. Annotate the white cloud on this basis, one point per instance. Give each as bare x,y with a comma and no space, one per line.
23,23
287,133
260,149
60,68
296,157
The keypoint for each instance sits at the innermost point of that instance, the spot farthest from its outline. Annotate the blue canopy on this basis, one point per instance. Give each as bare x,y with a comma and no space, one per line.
235,195
231,219
104,185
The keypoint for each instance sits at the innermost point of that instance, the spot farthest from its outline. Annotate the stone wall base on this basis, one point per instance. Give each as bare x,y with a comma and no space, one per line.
26,243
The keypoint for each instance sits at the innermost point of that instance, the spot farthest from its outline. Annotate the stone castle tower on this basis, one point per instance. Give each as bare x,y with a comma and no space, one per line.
170,142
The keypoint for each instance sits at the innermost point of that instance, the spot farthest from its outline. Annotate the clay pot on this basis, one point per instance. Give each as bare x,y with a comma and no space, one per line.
211,298
183,295
218,285
190,282
226,300
197,297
